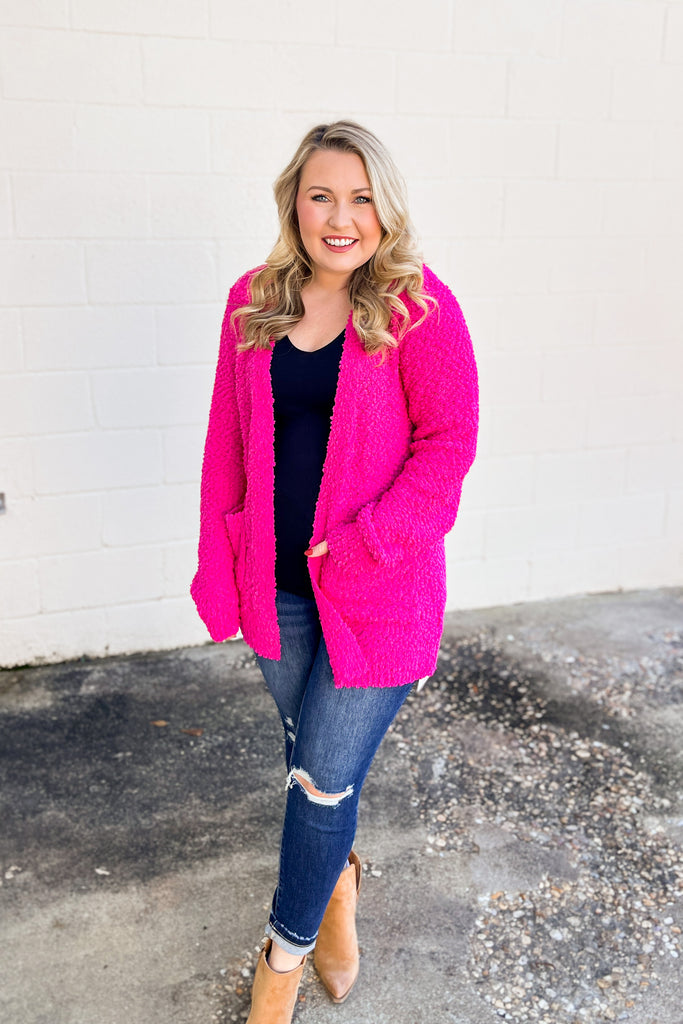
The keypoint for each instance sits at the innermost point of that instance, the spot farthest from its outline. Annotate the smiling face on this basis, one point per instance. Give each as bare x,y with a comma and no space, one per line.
337,219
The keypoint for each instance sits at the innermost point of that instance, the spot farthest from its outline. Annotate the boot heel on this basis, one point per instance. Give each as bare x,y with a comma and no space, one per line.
336,955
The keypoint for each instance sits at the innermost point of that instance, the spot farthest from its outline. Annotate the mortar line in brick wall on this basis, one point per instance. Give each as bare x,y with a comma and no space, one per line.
508,76
394,82
669,520
665,32
91,396
612,86
143,78
207,17
156,351
22,344
335,30
535,496
450,27
148,205
556,162
602,192
12,210
209,135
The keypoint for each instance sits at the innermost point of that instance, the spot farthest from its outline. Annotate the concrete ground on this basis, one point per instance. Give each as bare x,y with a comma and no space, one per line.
521,830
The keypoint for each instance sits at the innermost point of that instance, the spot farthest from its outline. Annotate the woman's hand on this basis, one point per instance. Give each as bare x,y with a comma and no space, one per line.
319,549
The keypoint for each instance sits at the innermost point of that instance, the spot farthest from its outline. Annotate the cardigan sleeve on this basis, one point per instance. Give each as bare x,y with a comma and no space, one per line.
439,378
223,484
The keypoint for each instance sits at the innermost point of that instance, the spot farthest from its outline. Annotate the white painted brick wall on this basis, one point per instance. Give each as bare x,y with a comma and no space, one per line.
5,206
634,29
559,88
542,144
42,64
175,17
41,274
74,205
49,13
88,337
500,27
132,139
448,83
100,460
41,403
101,578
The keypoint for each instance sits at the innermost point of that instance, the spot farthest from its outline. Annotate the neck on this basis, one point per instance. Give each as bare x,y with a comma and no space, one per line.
328,284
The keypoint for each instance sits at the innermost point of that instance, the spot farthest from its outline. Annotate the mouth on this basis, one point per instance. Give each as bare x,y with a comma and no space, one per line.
339,243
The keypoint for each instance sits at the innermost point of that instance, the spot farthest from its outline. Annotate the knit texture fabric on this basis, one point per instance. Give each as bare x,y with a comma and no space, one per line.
402,437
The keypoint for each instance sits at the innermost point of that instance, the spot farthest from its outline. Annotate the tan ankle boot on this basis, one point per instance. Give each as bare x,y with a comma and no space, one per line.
273,996
336,956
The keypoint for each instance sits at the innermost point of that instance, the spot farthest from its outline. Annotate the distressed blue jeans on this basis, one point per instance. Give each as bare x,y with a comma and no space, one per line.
331,737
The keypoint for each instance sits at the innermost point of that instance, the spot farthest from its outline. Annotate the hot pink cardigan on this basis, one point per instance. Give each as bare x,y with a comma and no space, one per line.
402,438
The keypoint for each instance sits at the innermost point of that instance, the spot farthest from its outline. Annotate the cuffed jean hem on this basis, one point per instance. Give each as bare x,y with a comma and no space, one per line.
296,949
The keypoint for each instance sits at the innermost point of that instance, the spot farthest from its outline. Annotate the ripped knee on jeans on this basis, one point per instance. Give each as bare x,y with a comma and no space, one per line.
315,795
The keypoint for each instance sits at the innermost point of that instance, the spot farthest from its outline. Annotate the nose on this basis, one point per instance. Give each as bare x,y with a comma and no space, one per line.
340,216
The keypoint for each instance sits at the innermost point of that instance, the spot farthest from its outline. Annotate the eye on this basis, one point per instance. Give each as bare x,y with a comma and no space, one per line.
319,196
363,200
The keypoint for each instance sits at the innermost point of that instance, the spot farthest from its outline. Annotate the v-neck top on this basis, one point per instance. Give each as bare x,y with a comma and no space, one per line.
304,386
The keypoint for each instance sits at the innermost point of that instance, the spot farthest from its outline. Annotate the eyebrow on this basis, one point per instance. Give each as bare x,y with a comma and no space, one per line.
323,188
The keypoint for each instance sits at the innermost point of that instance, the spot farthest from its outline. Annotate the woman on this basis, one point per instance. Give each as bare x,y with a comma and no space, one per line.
342,424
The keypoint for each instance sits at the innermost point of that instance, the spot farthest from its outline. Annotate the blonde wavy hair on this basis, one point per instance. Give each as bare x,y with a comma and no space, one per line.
375,287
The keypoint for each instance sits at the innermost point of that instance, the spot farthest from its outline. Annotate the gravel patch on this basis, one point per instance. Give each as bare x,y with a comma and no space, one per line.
622,686
480,749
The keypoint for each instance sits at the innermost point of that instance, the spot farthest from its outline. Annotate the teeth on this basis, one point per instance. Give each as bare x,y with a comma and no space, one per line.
339,242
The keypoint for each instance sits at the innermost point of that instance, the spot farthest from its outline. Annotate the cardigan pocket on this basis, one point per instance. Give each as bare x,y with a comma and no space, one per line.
234,524
346,657
363,595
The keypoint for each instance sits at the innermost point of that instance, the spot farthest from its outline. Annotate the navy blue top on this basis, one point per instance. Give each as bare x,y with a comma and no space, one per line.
304,385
